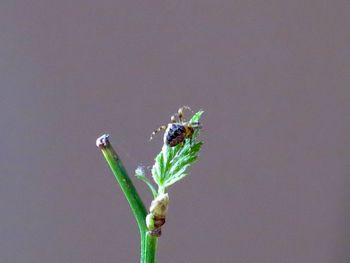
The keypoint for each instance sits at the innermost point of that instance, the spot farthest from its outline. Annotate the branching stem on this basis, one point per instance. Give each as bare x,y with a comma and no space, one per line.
148,243
171,165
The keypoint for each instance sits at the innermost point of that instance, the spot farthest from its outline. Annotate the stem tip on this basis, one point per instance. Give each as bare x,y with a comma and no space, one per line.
103,141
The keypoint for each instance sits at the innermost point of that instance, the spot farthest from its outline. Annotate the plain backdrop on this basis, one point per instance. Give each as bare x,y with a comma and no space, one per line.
272,183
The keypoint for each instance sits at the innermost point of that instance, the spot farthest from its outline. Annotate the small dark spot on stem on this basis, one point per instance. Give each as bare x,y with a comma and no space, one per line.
155,232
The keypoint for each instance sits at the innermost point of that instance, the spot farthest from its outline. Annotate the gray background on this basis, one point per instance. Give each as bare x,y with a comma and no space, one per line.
272,183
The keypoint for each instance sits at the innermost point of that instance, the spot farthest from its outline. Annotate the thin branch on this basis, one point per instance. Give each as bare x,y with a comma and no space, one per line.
128,188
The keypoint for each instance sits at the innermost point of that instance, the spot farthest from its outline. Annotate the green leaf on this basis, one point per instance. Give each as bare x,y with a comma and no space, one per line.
197,116
172,163
158,168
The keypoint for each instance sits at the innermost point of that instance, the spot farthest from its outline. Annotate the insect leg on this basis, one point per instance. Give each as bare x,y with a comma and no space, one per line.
196,125
173,119
161,128
180,112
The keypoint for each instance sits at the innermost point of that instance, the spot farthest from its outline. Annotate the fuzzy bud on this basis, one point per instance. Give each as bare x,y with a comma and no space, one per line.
156,217
150,221
159,206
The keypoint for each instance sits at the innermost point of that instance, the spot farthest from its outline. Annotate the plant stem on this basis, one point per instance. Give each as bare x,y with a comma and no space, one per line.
151,248
137,207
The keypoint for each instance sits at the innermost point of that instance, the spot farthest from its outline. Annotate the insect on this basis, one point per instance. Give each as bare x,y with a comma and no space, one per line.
178,129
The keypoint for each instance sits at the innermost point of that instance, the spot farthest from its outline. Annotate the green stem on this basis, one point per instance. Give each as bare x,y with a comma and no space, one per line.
137,207
151,248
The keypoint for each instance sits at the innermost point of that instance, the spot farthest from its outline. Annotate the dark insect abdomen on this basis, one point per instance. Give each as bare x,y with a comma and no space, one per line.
175,134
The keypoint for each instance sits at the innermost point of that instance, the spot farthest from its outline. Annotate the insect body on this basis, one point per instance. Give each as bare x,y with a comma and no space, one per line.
177,131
